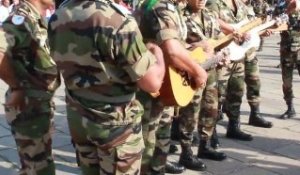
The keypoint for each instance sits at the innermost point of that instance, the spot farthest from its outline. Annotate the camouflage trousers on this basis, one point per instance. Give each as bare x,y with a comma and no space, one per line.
107,137
203,110
156,123
32,130
231,80
231,88
252,78
288,61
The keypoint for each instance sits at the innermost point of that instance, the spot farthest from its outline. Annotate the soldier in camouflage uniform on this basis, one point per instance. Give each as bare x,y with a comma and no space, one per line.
32,76
104,61
289,54
162,23
252,78
202,25
236,73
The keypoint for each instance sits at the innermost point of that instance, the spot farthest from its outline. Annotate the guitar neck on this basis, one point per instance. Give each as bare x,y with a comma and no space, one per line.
280,28
242,29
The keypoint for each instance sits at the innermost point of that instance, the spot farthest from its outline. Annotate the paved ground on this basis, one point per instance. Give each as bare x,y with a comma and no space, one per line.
274,151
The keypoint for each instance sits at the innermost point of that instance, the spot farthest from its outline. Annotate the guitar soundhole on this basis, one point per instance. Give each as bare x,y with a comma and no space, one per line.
186,79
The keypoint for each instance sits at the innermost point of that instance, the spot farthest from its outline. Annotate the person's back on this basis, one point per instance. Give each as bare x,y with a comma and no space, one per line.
99,49
91,49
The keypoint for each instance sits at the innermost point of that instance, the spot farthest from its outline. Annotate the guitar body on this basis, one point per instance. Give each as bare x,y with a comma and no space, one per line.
176,89
237,52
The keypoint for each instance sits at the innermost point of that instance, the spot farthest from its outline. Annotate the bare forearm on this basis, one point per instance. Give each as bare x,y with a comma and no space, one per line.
152,80
225,27
7,73
177,56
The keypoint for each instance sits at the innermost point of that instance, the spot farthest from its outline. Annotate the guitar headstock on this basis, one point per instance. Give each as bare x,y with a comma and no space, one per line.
281,19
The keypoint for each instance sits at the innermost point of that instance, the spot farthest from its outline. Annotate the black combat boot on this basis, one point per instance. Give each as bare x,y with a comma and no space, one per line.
208,153
257,120
174,168
290,113
189,161
214,140
234,131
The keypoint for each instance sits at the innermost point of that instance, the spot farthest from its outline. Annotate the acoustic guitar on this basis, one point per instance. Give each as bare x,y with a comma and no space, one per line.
176,89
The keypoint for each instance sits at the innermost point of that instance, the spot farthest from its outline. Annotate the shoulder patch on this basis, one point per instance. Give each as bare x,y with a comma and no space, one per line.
171,7
18,19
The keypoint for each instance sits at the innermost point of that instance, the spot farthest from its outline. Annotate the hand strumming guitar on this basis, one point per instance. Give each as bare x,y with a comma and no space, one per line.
225,57
206,46
240,38
199,81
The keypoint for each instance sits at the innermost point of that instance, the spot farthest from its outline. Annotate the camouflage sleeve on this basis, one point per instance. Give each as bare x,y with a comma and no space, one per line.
266,7
7,39
166,23
213,8
10,36
130,51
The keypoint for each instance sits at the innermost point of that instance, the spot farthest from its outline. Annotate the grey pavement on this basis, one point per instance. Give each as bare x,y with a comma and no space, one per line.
274,151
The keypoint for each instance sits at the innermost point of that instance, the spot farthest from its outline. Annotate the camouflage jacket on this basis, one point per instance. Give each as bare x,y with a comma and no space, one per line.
225,13
163,21
291,37
99,52
201,26
24,39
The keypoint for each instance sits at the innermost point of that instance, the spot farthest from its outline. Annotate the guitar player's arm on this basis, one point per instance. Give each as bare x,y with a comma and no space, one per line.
177,56
229,29
151,82
226,28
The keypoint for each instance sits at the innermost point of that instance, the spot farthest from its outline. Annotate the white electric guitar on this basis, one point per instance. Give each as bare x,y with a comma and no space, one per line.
237,52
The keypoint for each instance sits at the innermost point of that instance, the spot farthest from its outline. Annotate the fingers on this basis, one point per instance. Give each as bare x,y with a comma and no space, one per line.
202,85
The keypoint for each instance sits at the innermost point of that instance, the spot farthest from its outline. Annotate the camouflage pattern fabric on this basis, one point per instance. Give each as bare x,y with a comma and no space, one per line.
32,129
252,78
161,22
204,107
225,13
106,149
231,92
23,39
260,8
101,55
209,107
150,123
231,77
156,124
289,55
